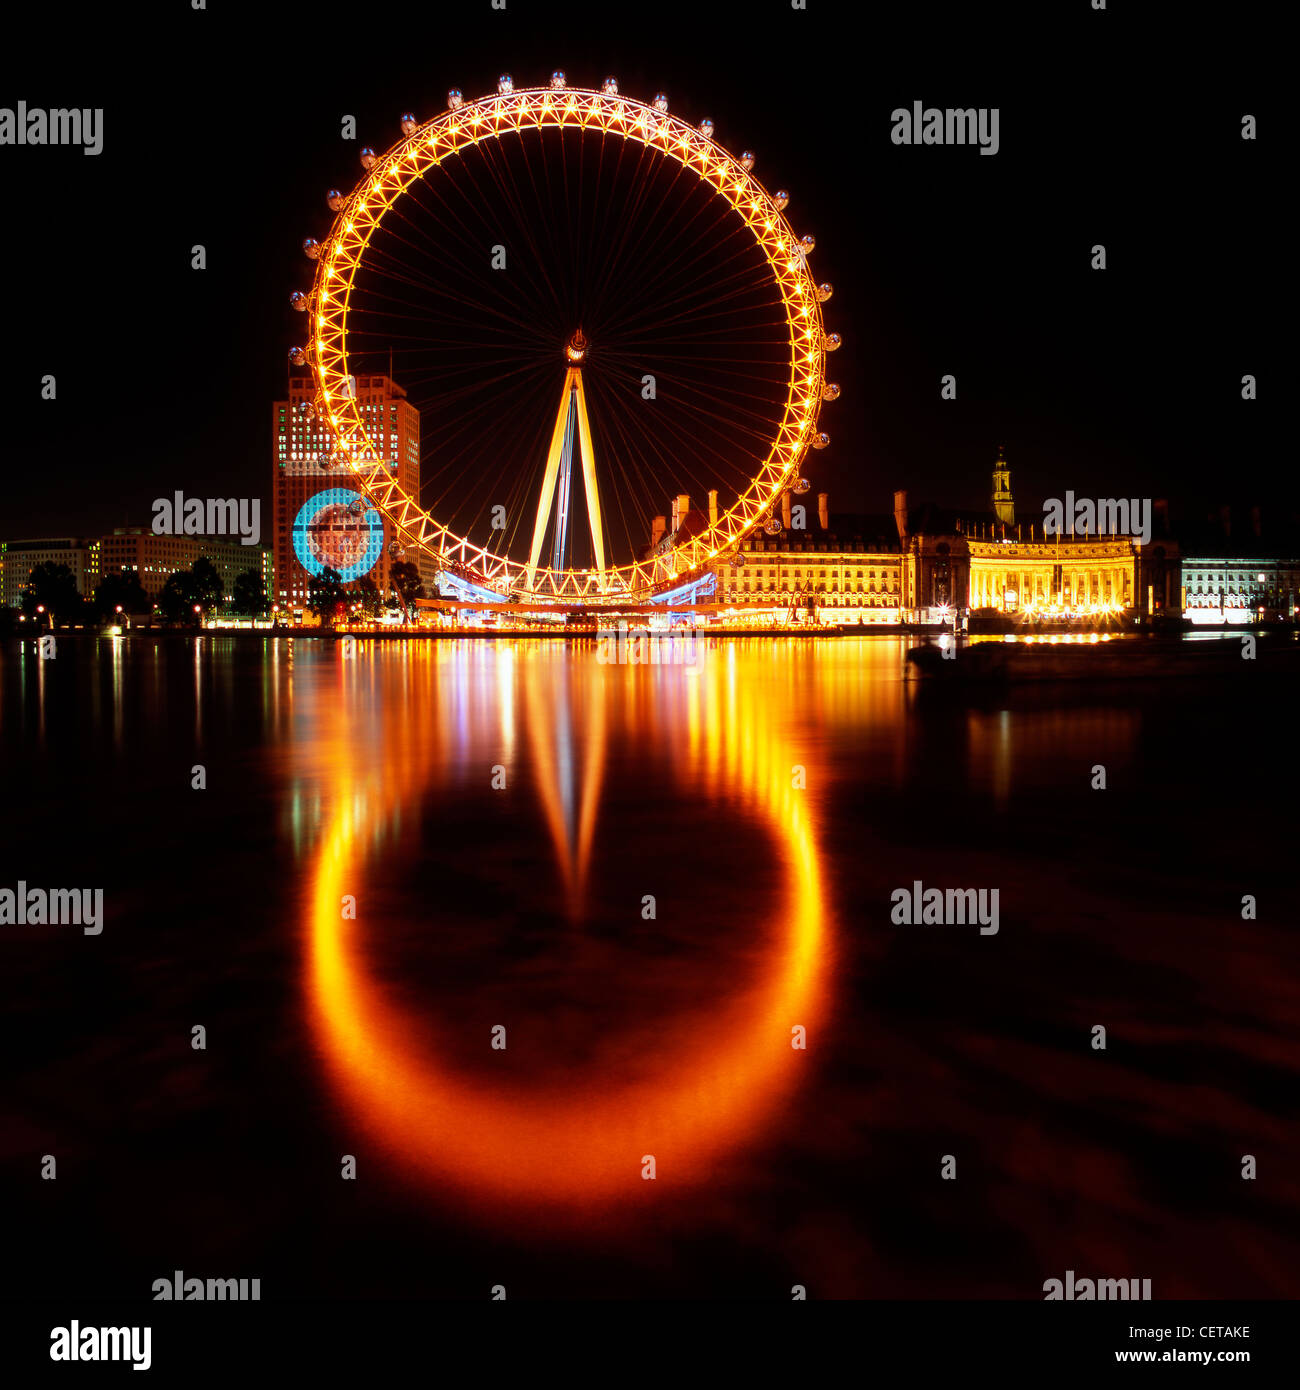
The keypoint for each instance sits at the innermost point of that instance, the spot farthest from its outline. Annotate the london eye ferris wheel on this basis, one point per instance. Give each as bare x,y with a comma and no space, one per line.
578,291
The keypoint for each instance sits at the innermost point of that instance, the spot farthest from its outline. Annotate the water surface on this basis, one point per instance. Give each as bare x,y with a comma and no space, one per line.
502,813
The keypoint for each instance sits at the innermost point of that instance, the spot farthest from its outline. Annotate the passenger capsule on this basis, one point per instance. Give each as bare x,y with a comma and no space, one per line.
299,301
747,159
409,122
706,128
807,242
738,560
335,199
661,101
505,84
831,342
801,486
610,86
356,507
455,99
368,157
830,392
822,440
772,526
557,80
311,248
297,356
306,409
781,199
824,291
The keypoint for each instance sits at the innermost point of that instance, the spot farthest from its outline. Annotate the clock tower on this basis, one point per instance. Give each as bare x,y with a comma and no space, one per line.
1004,507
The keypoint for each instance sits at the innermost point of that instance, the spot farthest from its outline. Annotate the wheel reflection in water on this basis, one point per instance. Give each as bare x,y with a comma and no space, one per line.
710,1081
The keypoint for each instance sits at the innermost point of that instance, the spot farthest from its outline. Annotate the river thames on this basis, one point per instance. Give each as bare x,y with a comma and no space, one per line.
590,968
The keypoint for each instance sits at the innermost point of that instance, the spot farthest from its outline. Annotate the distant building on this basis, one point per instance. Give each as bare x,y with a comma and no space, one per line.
1063,574
320,517
985,562
926,564
1235,588
153,559
19,558
850,567
1233,574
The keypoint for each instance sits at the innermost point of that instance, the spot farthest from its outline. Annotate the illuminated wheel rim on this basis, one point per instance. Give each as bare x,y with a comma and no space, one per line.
342,256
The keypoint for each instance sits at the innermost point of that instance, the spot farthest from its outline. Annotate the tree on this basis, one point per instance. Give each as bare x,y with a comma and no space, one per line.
178,596
405,581
325,593
250,598
208,589
121,589
367,592
53,587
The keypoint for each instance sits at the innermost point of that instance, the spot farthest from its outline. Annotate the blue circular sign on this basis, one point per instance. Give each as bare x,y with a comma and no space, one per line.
338,529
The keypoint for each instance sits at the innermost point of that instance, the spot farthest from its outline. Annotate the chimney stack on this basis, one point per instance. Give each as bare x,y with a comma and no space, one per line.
681,506
900,514
785,510
657,528
824,510
713,506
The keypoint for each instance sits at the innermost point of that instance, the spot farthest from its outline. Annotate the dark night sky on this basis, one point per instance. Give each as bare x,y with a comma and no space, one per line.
223,128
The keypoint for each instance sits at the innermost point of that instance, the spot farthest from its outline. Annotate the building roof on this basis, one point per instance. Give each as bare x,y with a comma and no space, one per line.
876,529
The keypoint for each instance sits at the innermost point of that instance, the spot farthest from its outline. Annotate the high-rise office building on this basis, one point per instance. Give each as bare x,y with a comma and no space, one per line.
320,517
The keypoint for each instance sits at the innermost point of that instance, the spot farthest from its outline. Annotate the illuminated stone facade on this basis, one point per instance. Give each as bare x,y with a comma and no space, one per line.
927,565
1060,576
848,570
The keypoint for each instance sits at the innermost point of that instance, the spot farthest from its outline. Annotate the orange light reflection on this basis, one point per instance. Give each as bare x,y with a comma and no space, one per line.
710,1081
